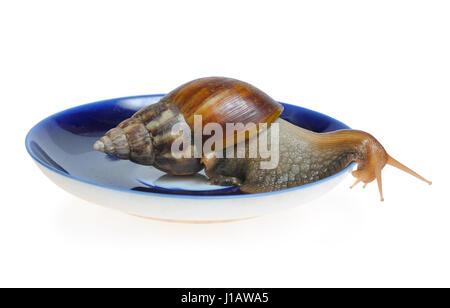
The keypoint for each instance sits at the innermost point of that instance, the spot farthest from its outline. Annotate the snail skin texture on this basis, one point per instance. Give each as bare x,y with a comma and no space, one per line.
304,156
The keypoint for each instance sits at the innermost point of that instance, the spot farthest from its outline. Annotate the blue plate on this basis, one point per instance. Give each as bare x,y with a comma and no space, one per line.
62,147
63,143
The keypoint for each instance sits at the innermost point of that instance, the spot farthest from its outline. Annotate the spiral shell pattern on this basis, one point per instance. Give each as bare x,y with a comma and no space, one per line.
146,138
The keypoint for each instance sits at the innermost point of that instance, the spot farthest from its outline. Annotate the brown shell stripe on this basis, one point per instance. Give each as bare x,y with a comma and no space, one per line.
139,141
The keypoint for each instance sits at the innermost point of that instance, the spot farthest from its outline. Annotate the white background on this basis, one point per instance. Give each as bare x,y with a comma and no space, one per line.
379,66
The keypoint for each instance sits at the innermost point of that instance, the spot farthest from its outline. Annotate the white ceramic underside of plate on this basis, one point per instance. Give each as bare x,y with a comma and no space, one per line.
193,210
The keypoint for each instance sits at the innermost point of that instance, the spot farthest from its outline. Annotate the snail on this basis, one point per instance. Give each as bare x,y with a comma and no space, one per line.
147,138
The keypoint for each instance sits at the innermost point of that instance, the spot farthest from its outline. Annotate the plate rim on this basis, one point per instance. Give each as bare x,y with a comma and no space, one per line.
177,196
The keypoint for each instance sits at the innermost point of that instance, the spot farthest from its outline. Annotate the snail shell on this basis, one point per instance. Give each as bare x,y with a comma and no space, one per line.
147,136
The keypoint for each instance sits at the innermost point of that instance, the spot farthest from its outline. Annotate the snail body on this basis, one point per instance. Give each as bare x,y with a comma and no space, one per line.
304,156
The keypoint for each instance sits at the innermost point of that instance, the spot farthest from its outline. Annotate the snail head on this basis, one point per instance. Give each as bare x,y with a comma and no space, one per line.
373,158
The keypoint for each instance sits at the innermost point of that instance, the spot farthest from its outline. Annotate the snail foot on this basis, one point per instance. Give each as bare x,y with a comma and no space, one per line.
224,180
